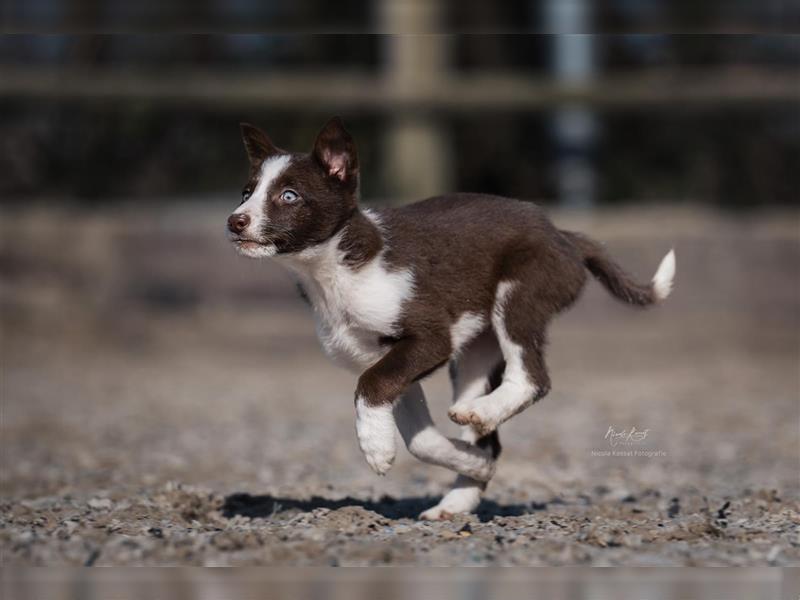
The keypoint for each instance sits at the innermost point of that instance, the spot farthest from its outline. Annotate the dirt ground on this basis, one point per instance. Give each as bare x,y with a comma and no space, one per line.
165,402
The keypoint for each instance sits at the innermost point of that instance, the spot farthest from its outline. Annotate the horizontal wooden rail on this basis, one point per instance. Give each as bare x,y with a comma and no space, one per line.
451,92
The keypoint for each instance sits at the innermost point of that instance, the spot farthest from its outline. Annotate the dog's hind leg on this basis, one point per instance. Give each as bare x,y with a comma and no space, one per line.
476,372
519,319
428,444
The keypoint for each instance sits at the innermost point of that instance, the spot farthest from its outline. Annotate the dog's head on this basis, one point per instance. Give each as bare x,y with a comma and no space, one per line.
294,201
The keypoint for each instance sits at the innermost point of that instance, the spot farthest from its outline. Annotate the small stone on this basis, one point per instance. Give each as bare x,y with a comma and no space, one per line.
674,508
100,503
773,553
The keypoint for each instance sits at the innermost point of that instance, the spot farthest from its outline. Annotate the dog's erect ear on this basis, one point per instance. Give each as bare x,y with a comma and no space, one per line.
335,150
258,145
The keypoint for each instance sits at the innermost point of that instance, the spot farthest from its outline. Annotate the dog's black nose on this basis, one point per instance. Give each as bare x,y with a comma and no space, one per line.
237,223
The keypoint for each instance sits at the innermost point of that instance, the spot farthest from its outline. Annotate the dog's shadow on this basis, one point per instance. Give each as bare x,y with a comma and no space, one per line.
267,506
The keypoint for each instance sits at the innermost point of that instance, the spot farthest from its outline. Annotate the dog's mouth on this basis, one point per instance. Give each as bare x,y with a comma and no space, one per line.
240,241
253,248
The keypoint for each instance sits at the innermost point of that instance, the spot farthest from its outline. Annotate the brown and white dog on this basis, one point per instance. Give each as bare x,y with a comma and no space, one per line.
466,279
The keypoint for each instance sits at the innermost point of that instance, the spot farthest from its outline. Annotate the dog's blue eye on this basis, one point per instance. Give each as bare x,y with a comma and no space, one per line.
289,196
245,195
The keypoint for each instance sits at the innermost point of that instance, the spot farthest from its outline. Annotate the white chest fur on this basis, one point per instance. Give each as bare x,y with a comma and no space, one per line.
353,307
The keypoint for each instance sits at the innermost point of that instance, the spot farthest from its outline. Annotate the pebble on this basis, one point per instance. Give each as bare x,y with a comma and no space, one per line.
773,553
101,503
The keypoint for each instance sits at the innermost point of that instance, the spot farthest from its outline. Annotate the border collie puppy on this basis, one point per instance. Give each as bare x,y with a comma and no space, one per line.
469,280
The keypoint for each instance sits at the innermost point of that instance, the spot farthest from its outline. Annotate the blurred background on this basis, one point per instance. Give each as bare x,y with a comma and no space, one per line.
141,355
582,120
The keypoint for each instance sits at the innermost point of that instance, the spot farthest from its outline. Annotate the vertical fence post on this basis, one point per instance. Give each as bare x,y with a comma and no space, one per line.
417,160
574,124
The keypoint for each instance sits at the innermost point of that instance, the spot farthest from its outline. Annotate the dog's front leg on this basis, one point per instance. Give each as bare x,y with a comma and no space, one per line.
382,384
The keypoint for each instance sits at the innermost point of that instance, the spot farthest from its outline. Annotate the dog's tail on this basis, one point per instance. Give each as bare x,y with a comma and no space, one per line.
617,281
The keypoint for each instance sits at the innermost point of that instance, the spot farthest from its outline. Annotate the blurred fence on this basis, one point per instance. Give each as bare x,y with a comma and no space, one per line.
580,118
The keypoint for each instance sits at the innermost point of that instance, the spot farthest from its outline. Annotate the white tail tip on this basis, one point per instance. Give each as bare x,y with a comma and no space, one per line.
662,280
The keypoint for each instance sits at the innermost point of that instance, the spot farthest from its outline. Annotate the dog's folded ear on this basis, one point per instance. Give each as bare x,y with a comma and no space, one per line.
335,150
258,145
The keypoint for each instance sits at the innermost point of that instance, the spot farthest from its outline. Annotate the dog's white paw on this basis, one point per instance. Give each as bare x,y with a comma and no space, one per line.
437,513
485,471
375,430
461,499
474,415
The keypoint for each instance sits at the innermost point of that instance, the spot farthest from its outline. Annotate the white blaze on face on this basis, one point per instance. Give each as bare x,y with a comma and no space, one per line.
256,206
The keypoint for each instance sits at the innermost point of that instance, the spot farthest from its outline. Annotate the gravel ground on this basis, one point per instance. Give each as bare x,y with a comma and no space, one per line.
165,402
